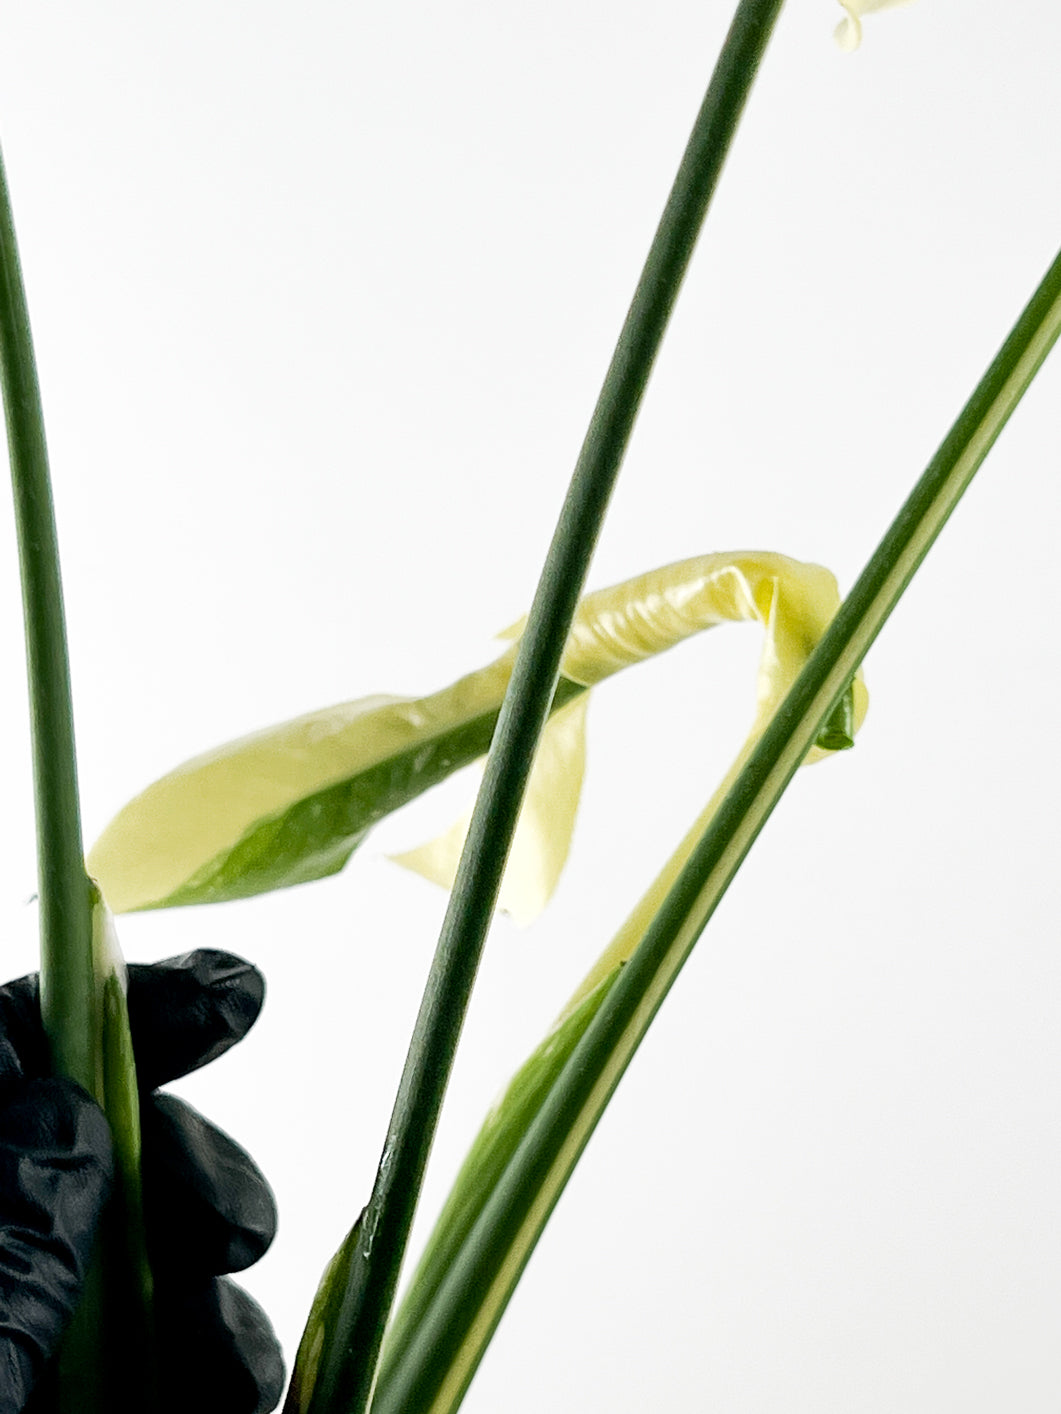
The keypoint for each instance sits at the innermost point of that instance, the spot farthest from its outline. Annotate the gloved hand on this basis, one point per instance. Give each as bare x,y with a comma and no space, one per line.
208,1210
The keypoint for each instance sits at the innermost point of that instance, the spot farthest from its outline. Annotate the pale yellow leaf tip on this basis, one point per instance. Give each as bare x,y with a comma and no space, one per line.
848,33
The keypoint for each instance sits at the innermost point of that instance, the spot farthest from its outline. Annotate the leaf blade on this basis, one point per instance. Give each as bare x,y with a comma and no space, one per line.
207,833
291,803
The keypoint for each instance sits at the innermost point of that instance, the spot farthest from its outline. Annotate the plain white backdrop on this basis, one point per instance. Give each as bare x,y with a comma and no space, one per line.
322,298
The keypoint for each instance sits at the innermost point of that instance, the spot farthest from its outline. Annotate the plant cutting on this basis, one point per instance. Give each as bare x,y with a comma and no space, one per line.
432,1355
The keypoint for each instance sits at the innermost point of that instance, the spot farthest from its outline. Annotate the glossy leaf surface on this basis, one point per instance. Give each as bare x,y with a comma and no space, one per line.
292,803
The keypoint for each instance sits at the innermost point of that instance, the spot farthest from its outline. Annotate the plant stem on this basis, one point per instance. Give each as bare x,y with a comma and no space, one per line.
348,1367
443,1353
65,914
69,1010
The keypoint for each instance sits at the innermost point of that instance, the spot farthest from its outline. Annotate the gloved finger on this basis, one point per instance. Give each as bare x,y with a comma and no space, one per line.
218,1350
56,1168
187,1010
207,1205
23,1048
183,1013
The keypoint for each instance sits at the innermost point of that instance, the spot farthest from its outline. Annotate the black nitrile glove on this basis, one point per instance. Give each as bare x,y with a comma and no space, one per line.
207,1208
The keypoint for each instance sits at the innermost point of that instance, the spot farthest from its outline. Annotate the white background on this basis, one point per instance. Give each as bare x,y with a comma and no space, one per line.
322,298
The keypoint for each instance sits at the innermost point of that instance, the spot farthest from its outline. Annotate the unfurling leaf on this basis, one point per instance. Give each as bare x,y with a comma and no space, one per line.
293,802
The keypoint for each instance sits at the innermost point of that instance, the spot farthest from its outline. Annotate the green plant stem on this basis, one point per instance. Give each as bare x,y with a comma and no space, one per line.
65,914
68,989
348,1366
442,1354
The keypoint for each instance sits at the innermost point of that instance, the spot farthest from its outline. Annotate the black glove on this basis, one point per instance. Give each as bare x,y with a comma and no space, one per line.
208,1210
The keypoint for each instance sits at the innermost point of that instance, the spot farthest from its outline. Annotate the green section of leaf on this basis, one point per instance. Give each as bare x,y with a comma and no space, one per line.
290,803
837,732
321,1325
316,836
492,1150
127,1281
129,1270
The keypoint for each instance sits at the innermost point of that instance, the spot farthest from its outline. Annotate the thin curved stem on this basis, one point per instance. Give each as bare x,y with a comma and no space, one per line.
68,988
348,1365
66,922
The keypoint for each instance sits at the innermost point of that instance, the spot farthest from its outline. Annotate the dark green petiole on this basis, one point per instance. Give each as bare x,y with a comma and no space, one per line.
82,998
346,1372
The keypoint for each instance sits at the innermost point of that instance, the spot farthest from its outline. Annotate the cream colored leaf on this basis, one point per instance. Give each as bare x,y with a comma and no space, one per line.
291,803
625,624
201,810
632,621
